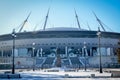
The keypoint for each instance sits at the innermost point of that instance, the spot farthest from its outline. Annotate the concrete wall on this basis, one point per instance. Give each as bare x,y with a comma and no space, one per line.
24,62
106,60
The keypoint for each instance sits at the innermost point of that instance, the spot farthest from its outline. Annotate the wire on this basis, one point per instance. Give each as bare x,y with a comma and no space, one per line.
107,26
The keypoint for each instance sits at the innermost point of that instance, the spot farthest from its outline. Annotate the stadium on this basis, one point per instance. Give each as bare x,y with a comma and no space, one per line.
60,47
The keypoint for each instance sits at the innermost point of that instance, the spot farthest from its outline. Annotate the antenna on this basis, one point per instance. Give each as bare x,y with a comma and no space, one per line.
46,20
25,22
99,21
77,19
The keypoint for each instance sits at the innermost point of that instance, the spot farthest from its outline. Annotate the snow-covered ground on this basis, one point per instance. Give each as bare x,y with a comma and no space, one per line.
60,74
47,73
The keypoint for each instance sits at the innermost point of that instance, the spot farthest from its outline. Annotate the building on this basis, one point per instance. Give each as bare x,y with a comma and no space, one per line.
66,47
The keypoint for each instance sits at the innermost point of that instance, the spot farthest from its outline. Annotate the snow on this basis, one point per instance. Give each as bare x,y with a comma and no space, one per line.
60,74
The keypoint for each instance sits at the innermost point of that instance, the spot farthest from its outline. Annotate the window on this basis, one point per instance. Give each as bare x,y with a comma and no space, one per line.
22,52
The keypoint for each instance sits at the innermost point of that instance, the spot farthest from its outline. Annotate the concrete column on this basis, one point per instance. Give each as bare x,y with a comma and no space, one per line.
41,51
82,51
108,51
38,53
96,52
2,53
86,53
90,51
66,51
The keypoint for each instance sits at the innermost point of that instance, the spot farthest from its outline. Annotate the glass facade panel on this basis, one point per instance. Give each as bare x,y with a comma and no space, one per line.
22,52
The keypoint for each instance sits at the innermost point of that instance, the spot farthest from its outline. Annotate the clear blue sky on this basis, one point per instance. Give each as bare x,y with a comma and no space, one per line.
14,12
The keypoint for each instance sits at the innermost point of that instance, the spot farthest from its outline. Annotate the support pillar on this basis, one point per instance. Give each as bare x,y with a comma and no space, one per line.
37,53
66,51
2,53
91,52
83,52
86,53
41,51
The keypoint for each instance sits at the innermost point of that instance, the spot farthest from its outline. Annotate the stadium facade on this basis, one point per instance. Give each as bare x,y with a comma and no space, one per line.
39,46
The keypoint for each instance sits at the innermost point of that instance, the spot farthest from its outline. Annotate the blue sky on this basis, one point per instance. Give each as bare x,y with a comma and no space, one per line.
14,12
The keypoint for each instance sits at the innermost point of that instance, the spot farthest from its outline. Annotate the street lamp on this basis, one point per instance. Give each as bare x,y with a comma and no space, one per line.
99,36
13,65
33,44
85,54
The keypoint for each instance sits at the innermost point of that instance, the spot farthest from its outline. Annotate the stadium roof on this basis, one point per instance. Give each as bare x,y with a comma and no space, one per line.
64,29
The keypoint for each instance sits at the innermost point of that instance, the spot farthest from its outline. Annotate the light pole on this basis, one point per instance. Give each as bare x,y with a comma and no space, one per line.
13,65
85,54
33,44
99,36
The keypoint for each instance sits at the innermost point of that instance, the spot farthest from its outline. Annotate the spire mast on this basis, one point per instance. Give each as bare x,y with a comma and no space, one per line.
77,20
99,21
46,20
25,22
